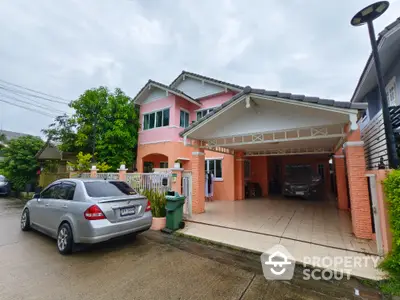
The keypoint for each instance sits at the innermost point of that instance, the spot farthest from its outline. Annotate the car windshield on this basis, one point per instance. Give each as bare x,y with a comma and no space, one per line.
2,178
98,189
295,171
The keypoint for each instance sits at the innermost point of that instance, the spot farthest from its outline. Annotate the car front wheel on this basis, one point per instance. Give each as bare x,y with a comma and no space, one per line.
25,222
65,241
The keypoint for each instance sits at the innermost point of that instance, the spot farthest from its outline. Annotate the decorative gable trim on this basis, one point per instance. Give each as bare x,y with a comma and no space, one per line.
168,90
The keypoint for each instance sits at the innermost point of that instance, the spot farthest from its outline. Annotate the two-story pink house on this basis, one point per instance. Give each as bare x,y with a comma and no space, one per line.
249,137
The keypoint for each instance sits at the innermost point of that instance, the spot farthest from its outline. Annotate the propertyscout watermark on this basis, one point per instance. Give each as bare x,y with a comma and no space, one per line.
279,264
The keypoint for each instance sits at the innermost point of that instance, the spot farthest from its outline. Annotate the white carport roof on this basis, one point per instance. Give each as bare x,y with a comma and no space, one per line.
259,123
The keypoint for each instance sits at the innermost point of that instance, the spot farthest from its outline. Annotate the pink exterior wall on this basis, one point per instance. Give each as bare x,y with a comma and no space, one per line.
175,103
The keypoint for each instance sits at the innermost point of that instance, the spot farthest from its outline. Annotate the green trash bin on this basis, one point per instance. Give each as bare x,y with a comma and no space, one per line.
174,209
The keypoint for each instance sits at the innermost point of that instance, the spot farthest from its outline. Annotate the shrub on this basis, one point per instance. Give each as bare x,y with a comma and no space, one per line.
391,263
157,201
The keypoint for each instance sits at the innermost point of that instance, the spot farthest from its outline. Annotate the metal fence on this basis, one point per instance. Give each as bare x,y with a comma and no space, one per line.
149,181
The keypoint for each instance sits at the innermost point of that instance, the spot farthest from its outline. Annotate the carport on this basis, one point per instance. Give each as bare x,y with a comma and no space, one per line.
265,131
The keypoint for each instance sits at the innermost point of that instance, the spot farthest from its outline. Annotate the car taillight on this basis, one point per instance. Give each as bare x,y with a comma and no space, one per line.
94,213
148,206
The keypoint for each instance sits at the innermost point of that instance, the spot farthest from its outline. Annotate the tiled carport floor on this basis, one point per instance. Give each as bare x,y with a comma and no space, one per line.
316,222
305,228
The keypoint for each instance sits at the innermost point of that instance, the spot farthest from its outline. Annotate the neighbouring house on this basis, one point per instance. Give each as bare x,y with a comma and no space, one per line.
371,124
249,137
56,162
9,135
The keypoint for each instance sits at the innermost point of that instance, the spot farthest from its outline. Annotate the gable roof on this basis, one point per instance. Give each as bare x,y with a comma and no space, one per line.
380,41
12,135
172,90
181,76
287,96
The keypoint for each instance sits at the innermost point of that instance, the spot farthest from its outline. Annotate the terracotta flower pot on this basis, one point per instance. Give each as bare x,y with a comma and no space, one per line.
158,223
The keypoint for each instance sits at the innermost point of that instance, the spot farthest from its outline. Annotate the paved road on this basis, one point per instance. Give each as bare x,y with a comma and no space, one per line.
152,266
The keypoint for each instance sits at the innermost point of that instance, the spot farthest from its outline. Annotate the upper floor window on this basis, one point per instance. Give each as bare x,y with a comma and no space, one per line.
391,92
156,119
202,113
184,119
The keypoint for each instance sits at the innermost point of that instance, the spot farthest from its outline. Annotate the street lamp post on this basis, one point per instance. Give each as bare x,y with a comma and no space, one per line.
368,15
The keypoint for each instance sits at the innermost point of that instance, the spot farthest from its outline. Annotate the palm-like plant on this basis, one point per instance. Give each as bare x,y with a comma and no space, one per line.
158,201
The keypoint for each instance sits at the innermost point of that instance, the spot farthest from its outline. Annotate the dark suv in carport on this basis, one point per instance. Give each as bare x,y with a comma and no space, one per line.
301,181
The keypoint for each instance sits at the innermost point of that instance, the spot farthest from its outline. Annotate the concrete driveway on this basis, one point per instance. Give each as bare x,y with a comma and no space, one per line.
150,266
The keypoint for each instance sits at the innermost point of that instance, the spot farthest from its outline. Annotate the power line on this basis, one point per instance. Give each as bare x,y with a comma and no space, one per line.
14,91
49,108
28,89
29,108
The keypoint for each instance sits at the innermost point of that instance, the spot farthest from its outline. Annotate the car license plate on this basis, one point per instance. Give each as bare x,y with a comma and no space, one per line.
300,193
127,211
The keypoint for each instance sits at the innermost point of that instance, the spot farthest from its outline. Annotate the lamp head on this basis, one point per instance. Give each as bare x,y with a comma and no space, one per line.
369,13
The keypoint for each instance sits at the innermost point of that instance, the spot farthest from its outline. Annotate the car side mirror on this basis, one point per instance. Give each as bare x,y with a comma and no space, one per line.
36,196
165,181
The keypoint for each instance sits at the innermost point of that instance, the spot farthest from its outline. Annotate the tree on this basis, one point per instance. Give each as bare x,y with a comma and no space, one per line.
104,124
83,163
62,132
19,162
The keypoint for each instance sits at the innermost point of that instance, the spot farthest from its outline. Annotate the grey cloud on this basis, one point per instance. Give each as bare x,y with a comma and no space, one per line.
65,47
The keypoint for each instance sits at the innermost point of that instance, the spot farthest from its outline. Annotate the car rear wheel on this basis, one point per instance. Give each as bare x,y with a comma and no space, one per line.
25,222
65,241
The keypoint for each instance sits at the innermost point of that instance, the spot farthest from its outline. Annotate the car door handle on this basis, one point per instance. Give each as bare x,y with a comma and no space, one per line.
65,206
46,204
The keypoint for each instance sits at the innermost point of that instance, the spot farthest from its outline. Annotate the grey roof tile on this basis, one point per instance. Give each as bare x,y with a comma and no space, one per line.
327,102
234,86
297,97
311,99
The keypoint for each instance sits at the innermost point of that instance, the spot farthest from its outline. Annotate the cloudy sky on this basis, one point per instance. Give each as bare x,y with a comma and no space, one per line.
64,47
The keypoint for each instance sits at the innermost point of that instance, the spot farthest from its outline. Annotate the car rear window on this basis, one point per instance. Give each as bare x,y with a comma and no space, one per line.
98,189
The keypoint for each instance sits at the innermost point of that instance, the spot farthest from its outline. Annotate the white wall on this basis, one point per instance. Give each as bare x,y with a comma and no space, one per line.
196,89
268,116
155,94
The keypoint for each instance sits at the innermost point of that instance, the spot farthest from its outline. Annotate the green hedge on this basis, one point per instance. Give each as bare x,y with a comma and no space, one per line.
391,263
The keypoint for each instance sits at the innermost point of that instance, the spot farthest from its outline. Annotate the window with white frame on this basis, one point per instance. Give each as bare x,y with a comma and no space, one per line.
214,166
184,119
156,119
202,113
247,169
391,92
163,164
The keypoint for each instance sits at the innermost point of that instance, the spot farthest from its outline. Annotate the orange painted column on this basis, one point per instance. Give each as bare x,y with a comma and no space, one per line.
198,181
358,189
239,176
341,184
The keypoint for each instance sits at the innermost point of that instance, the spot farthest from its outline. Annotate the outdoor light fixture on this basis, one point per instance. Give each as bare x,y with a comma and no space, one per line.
368,15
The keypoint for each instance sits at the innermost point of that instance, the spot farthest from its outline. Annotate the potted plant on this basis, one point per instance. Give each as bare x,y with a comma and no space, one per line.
177,164
157,202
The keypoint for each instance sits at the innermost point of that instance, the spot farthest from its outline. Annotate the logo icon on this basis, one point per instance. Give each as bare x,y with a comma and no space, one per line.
277,263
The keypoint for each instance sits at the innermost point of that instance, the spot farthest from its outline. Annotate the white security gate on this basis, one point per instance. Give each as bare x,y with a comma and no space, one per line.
149,181
187,192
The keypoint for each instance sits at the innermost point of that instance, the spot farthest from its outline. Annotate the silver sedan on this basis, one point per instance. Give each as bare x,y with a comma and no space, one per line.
86,211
